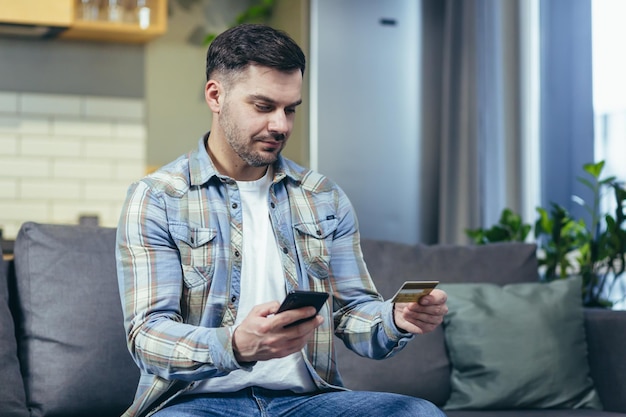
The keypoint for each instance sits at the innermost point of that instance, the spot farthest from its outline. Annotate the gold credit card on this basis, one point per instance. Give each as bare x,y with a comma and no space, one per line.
412,291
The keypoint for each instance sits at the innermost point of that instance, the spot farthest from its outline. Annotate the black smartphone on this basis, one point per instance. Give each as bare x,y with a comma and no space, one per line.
298,298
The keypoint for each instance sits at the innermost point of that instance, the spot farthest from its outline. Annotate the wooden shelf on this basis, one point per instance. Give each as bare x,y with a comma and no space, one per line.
111,32
65,14
105,31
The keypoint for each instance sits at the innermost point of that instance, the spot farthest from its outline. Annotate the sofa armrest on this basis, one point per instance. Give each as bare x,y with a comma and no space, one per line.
606,341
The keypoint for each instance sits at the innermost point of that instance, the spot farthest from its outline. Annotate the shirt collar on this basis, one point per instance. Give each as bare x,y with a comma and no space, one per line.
201,168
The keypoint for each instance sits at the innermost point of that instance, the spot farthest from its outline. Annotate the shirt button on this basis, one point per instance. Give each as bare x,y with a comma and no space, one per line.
233,299
237,253
272,205
285,250
234,205
319,232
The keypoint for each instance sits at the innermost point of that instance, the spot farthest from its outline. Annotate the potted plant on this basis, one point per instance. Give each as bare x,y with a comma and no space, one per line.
568,246
248,11
258,12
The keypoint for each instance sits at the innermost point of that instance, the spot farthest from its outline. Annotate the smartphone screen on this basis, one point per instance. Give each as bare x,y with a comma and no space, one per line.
299,298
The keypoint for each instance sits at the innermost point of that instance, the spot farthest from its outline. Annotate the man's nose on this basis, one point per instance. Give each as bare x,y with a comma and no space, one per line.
278,122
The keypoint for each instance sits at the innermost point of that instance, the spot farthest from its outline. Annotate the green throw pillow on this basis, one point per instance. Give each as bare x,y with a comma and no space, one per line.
518,346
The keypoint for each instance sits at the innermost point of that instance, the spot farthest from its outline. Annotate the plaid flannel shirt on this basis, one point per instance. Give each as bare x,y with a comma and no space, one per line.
179,251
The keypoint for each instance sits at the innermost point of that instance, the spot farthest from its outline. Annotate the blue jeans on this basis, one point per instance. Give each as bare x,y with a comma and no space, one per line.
261,402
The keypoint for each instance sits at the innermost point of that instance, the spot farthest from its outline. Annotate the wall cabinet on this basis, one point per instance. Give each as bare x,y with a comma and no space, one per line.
135,21
37,12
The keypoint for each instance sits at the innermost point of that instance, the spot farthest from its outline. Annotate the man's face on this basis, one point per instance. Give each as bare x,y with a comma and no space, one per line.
258,113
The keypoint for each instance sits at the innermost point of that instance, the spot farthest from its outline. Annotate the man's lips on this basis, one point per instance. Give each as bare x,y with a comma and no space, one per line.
271,143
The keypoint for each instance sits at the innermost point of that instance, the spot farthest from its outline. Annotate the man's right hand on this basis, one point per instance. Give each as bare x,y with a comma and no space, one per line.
262,334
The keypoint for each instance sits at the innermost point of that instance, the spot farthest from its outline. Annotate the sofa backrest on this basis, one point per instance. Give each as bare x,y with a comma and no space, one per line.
422,369
69,323
498,263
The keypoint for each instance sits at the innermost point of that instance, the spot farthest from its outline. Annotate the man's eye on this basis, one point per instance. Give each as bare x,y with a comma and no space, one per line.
290,110
263,108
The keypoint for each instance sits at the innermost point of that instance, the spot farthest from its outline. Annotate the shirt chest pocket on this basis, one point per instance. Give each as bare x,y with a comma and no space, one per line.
197,249
314,241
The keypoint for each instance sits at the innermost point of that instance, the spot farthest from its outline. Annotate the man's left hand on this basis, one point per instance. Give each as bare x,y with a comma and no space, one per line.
423,316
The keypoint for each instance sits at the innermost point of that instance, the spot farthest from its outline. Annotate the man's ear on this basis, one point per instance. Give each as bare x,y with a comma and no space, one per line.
213,95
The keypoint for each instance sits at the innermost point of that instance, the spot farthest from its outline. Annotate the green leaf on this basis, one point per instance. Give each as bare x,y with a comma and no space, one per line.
607,180
210,37
595,169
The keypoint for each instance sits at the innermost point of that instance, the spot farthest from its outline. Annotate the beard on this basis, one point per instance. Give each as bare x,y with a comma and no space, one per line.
243,145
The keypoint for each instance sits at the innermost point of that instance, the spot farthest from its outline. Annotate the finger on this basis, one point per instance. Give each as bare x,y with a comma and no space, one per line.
265,309
294,338
287,317
433,310
303,330
426,320
435,297
417,326
415,313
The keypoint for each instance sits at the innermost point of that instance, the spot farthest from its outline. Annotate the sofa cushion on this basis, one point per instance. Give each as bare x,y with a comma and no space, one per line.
518,346
71,335
422,368
12,399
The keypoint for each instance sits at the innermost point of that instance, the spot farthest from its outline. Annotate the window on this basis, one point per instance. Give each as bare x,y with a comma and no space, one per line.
609,84
609,101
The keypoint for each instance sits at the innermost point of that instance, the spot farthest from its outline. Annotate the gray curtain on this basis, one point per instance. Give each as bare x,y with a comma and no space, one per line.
472,128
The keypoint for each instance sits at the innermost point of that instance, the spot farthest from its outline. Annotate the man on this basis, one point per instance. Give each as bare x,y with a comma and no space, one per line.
209,245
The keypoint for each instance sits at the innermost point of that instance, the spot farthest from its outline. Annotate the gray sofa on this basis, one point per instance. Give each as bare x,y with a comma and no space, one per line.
63,351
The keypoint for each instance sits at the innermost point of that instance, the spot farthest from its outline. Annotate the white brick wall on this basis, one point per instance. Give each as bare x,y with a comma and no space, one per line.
63,156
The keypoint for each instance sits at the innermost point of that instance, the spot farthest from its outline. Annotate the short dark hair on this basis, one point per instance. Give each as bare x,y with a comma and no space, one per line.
238,47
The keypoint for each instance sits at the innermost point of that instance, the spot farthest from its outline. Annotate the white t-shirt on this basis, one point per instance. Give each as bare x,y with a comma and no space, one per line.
262,280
